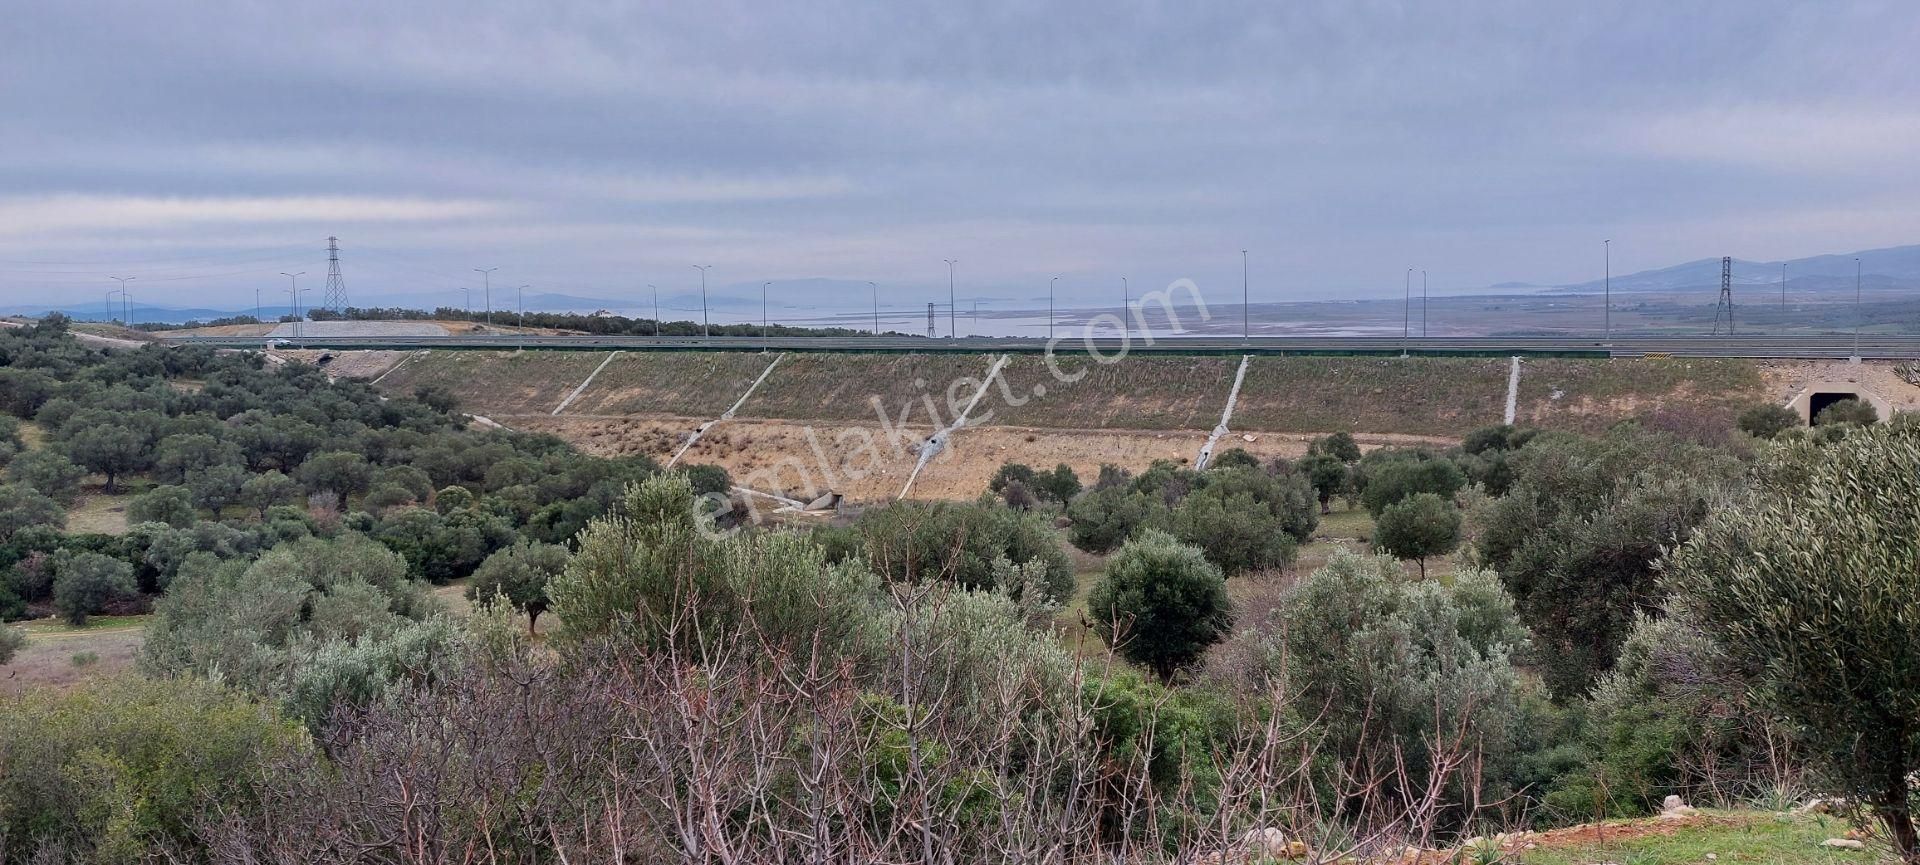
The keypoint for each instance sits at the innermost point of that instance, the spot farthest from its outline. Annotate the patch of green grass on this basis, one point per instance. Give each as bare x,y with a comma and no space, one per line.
56,627
99,513
32,434
681,383
842,387
1732,837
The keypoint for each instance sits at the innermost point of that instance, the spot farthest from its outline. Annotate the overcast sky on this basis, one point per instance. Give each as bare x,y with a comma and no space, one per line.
592,148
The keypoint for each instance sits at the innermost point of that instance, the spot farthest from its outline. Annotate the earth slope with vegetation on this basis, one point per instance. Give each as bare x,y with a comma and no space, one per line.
1504,650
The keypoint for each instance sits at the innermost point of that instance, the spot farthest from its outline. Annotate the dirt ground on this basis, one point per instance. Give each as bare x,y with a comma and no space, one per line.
963,470
798,460
780,456
366,365
48,658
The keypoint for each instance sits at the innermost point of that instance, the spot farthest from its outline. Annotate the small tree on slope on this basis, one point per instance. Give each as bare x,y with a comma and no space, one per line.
1161,603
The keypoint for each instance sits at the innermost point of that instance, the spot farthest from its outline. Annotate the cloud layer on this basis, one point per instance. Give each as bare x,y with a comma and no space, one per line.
594,148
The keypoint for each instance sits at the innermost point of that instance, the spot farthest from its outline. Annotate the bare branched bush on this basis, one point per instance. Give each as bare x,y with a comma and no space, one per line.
731,749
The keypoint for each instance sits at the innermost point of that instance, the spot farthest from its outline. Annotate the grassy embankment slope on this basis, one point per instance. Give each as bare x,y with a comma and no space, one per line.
1079,412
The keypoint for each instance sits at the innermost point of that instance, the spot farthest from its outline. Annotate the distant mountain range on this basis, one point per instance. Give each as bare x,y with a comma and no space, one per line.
1894,267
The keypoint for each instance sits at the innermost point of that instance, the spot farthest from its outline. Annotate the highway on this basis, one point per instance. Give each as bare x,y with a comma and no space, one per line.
1811,347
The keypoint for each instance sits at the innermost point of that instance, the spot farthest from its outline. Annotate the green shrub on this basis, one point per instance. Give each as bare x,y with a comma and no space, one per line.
1390,667
49,472
1577,537
1852,410
11,639
1768,420
1104,519
115,770
21,508
163,504
959,542
1160,603
1389,476
521,574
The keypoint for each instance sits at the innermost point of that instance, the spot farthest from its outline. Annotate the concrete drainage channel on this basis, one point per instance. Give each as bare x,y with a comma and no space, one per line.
1513,389
1226,416
583,385
938,441
728,414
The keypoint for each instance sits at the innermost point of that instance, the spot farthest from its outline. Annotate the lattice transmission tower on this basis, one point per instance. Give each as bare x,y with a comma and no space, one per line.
335,297
1725,306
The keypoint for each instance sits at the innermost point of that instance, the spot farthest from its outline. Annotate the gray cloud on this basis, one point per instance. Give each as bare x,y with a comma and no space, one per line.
591,148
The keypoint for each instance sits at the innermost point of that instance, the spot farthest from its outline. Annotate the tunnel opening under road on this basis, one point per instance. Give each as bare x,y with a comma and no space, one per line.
1819,400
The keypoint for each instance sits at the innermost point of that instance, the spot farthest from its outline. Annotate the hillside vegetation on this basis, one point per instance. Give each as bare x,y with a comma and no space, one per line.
1489,651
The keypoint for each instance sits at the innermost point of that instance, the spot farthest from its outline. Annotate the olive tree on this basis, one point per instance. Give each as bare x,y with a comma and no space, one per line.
1418,527
1812,577
1161,603
520,574
163,504
84,583
22,506
111,450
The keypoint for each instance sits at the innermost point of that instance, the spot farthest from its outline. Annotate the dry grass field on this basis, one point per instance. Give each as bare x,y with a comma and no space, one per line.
1419,396
1593,394
840,387
683,384
1141,393
498,383
59,655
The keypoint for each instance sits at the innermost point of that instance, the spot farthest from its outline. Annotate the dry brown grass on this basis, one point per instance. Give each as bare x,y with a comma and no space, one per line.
97,512
1161,393
1419,396
1594,394
683,384
840,387
47,660
498,383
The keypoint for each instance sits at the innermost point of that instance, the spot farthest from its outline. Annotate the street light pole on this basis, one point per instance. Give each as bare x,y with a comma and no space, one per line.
1050,287
876,306
487,274
1406,313
656,309
293,291
1856,310
256,304
952,317
520,296
1245,328
108,303
1126,304
1606,252
466,302
705,326
763,316
1423,303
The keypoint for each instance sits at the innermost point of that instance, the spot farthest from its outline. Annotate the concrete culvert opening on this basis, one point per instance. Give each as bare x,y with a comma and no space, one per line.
1817,402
